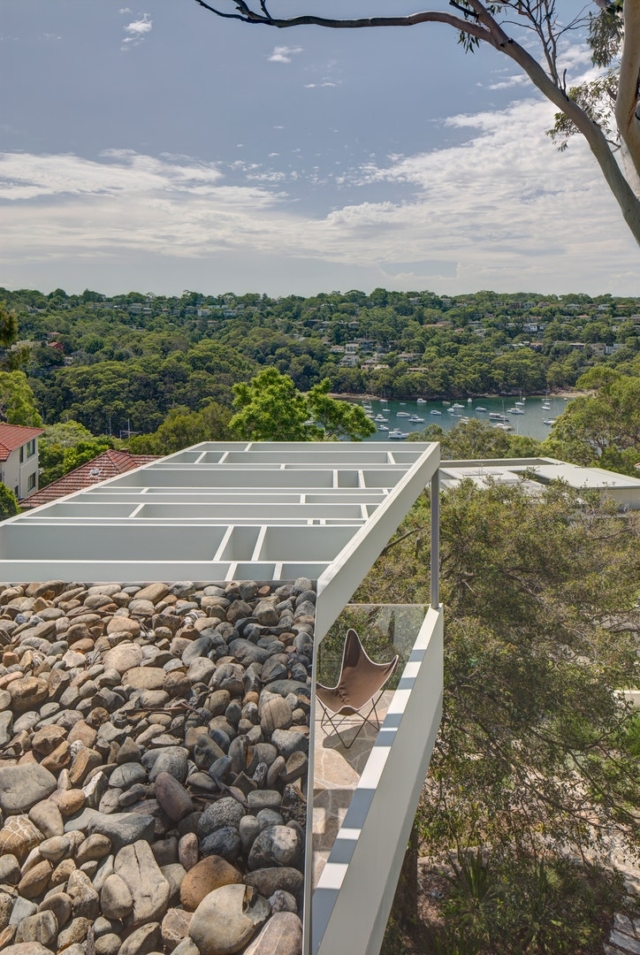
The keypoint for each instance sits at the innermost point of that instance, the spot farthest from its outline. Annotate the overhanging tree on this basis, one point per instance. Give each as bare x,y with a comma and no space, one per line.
603,111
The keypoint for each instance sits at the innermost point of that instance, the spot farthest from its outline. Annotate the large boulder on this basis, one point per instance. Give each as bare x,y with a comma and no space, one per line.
227,919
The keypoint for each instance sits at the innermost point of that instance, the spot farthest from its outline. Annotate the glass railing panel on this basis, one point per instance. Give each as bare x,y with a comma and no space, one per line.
385,631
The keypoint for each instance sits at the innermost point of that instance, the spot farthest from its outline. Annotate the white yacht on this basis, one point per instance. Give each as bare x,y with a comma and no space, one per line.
416,419
480,408
398,435
403,414
503,427
382,427
515,411
457,405
421,401
549,420
380,417
435,412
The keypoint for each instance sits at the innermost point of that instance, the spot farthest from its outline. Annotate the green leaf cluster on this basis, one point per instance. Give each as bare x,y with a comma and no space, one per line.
270,408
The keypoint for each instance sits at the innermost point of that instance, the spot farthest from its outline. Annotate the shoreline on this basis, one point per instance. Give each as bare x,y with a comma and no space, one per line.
561,393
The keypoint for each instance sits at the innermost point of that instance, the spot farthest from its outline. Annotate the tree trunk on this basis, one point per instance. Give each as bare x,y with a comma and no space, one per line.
405,903
627,99
626,198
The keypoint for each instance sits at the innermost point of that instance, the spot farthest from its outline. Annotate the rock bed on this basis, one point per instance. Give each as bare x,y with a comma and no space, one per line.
153,767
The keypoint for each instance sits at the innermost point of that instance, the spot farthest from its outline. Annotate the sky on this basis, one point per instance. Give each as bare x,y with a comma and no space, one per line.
156,147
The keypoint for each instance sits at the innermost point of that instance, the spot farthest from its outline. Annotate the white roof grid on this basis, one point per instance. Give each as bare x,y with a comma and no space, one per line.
217,511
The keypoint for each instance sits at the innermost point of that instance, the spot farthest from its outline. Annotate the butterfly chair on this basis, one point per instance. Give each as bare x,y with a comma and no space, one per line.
361,682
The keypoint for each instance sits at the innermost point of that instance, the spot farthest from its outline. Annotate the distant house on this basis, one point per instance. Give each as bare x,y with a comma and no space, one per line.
19,458
107,465
351,348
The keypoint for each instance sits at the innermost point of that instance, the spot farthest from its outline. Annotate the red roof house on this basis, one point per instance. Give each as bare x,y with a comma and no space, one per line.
107,465
19,458
14,436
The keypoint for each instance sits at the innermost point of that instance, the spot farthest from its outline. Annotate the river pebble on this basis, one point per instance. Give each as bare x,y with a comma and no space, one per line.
153,767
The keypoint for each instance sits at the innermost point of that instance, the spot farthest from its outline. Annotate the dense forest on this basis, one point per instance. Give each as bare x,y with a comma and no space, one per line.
122,363
155,374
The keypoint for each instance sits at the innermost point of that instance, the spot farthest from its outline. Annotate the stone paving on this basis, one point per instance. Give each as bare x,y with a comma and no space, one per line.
336,774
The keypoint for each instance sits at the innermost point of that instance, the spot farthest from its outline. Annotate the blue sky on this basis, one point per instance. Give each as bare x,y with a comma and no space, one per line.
157,147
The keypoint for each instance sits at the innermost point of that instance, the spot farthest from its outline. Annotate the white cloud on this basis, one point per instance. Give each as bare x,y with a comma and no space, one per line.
137,31
283,54
502,210
519,79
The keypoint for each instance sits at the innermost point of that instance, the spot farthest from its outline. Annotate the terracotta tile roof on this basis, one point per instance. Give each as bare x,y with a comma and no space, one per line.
106,465
13,436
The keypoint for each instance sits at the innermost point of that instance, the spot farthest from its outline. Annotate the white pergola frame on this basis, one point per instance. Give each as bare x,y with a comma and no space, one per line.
223,511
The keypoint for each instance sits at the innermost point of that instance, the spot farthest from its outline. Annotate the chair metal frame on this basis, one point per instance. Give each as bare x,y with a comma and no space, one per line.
348,710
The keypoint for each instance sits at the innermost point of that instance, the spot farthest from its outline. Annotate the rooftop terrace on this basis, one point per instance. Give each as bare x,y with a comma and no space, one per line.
274,512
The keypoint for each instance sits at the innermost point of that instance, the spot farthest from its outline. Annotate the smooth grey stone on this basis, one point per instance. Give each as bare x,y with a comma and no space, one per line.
172,760
276,846
273,670
284,687
206,751
122,828
220,769
132,795
22,786
264,799
220,738
269,817
223,842
198,648
217,815
247,652
126,775
22,909
6,720
26,722
248,829
282,901
289,742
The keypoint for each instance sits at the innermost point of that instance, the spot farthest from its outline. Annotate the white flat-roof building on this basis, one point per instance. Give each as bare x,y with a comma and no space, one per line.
537,472
224,511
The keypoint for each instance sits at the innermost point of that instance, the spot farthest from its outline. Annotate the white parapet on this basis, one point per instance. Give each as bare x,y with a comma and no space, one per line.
353,899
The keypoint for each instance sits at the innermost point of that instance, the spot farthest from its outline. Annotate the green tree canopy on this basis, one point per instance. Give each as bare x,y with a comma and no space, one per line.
65,446
475,439
182,428
17,402
8,503
270,408
601,429
532,758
